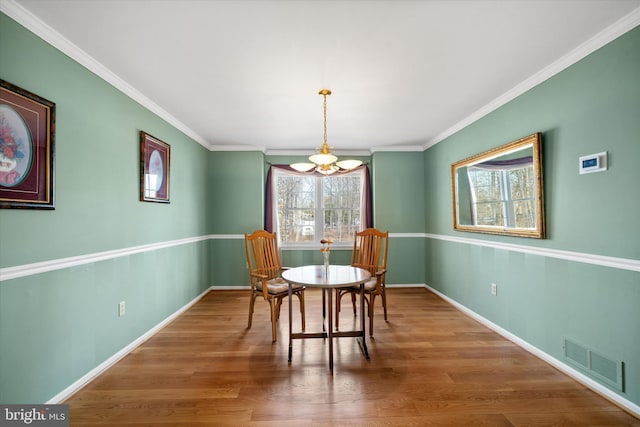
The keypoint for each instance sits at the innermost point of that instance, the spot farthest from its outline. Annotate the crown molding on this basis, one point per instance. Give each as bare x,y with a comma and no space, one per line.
308,152
238,147
396,148
615,30
34,24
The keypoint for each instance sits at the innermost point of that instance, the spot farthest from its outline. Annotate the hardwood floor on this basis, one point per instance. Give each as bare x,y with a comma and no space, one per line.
430,366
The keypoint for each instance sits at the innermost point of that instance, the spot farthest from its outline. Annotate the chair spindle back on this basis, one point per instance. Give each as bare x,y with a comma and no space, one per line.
370,250
262,253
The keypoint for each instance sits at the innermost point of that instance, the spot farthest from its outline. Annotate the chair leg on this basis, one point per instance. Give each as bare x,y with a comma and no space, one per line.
252,302
274,320
371,305
278,306
384,301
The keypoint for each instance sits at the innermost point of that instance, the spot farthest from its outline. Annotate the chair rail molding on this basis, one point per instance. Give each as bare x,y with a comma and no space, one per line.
17,271
14,272
586,258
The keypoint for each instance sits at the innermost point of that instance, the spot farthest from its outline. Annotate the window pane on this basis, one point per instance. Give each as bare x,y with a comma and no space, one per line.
308,210
341,200
340,225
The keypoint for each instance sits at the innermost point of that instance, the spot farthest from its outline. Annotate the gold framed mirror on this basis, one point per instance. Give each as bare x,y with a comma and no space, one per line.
500,191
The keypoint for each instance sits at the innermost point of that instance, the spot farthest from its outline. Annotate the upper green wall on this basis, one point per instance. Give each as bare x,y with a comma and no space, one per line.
590,107
399,197
96,163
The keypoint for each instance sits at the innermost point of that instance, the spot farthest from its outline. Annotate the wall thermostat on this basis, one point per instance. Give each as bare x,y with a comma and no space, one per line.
593,163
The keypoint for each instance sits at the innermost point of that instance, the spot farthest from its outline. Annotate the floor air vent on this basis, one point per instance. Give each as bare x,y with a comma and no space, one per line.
594,364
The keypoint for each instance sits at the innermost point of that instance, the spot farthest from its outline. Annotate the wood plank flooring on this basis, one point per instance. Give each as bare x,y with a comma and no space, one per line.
430,366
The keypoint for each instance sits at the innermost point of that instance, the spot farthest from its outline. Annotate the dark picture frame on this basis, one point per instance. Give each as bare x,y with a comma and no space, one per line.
155,161
27,149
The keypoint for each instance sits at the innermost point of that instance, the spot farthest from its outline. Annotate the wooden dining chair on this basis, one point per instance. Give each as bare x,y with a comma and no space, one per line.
370,248
265,269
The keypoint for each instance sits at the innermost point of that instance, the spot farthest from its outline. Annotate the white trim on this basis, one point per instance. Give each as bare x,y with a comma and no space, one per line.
305,153
601,260
55,39
95,372
605,261
397,148
576,375
403,235
405,285
607,35
237,148
225,236
315,247
9,273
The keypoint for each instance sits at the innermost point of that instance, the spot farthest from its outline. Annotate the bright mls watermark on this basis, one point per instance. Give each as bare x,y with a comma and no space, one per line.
34,415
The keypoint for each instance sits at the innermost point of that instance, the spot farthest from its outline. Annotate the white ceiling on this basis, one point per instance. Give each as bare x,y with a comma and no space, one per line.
239,74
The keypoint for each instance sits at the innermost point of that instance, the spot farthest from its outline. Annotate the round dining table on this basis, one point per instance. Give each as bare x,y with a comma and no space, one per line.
328,278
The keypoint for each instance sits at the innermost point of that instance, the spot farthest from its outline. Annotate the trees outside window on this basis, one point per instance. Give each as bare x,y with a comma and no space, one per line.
308,208
503,197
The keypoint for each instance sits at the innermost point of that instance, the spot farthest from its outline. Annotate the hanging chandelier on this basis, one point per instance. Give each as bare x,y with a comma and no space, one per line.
324,161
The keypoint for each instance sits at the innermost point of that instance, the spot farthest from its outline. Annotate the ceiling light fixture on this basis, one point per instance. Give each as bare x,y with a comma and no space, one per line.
324,161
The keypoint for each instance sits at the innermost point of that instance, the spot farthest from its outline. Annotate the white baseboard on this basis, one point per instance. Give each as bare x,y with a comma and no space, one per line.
405,285
576,375
95,372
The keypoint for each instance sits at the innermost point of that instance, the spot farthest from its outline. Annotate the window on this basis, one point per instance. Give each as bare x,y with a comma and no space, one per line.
503,197
308,208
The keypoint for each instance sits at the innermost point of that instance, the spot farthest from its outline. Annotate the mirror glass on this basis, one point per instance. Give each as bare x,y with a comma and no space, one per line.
500,191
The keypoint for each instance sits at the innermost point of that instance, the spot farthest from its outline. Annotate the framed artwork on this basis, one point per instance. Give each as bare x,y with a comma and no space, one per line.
155,157
27,134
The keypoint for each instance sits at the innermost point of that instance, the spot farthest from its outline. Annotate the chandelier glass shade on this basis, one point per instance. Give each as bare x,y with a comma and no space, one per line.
324,161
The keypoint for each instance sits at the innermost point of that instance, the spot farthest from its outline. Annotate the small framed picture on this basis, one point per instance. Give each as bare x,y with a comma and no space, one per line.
155,159
27,133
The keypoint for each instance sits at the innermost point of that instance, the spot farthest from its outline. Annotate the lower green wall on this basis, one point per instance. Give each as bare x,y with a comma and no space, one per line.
590,107
56,327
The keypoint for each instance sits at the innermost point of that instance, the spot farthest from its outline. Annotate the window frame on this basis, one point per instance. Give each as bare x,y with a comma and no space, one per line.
319,207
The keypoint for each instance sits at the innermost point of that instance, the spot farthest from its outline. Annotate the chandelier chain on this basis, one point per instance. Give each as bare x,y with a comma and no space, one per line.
324,107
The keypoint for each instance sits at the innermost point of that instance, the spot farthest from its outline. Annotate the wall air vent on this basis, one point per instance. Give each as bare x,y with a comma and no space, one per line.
594,364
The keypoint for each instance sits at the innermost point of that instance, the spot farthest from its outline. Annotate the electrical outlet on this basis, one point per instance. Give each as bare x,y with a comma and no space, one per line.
121,308
494,289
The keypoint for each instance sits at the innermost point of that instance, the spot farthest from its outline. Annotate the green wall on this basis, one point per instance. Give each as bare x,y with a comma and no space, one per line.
590,107
237,208
56,326
236,203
